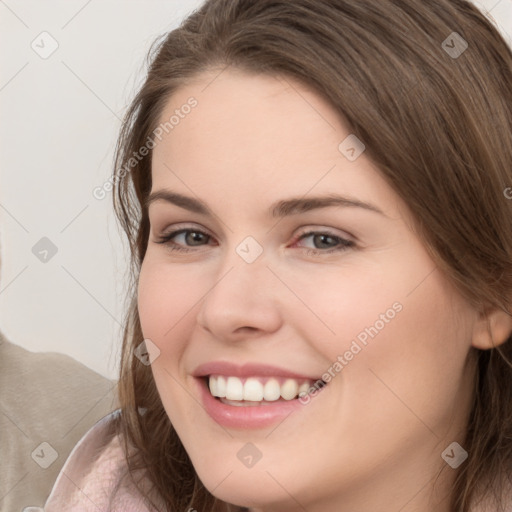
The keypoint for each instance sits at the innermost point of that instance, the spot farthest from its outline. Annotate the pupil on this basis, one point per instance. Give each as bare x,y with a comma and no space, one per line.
323,237
196,237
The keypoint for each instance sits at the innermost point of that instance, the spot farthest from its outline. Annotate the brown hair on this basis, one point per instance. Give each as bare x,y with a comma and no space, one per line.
438,125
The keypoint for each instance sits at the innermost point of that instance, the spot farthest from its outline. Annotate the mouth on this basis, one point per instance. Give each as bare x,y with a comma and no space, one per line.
254,395
259,390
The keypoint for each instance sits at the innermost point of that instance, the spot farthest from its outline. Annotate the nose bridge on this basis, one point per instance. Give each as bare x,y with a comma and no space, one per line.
242,294
242,278
243,267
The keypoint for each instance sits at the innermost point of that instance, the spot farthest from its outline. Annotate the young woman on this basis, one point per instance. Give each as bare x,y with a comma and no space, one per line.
317,197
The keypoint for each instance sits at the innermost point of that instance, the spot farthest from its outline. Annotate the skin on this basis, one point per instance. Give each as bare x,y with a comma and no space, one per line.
372,439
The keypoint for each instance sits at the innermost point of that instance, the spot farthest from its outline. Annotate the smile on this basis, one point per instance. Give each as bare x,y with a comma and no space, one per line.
255,395
253,391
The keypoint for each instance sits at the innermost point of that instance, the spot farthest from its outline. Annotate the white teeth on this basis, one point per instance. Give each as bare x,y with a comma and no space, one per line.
289,389
234,389
272,390
255,389
303,388
212,384
221,386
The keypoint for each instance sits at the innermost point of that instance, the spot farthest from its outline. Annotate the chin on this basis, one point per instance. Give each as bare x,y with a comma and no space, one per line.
247,492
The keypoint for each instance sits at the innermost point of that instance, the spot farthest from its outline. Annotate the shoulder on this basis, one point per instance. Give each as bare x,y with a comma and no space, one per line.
36,379
44,398
15,358
95,475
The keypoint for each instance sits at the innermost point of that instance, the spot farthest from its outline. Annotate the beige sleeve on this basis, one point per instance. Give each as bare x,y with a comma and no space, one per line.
47,403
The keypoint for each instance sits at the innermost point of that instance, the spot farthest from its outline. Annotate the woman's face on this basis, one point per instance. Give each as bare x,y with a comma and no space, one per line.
250,297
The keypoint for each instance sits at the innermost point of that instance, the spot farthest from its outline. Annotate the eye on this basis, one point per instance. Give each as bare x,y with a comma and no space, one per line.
195,237
322,237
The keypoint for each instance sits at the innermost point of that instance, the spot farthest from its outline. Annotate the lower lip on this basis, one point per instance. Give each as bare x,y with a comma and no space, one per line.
248,417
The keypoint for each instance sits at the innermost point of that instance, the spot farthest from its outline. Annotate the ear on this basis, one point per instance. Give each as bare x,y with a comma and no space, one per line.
492,328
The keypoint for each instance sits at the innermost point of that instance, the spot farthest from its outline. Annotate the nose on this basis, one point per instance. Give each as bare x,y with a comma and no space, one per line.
244,300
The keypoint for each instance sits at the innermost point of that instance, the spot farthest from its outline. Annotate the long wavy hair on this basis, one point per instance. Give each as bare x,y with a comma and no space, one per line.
435,121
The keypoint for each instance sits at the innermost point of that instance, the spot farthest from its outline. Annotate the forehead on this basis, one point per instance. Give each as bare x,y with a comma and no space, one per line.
255,136
251,116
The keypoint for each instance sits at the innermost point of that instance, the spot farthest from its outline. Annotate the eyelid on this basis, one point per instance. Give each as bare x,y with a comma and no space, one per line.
184,226
313,229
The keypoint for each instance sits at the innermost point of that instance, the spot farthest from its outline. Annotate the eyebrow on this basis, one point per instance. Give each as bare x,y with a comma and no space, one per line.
279,209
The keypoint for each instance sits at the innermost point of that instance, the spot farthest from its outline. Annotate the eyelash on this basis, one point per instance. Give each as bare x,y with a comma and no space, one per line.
344,243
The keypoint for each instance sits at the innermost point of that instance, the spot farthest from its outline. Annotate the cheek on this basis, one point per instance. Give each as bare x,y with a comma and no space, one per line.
414,366
164,299
402,333
341,304
165,296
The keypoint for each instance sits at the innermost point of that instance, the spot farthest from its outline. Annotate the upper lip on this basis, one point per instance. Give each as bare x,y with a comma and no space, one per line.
247,370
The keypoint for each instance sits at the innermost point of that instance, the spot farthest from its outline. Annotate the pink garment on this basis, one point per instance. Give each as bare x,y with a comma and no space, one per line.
91,473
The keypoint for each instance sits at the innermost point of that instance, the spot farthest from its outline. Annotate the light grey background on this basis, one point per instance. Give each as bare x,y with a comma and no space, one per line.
60,118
